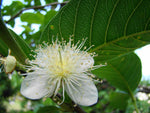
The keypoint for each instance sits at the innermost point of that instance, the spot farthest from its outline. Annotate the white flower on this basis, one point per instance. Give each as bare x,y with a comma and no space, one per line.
61,65
142,96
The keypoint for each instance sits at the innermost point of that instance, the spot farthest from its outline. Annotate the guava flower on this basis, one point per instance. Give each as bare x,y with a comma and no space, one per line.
61,67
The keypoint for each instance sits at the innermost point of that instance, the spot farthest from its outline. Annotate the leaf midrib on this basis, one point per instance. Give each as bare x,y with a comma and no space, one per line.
123,79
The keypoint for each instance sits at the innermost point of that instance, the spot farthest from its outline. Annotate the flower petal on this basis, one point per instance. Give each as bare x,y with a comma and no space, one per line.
82,90
37,86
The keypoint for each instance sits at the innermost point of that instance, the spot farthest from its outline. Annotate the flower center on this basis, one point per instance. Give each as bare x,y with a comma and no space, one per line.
61,65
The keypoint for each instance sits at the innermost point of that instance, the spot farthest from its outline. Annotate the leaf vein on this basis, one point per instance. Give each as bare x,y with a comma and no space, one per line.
125,28
92,21
119,39
105,39
75,20
124,80
147,23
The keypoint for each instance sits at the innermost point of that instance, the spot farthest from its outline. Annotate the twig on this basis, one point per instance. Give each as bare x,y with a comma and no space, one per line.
144,89
78,109
69,107
35,7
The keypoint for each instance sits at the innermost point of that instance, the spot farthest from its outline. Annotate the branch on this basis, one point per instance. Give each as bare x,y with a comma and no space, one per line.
35,7
144,89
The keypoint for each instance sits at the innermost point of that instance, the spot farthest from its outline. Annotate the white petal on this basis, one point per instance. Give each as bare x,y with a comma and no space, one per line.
37,86
82,92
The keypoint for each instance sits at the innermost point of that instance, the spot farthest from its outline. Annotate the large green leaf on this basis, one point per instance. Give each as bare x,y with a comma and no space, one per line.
123,72
115,27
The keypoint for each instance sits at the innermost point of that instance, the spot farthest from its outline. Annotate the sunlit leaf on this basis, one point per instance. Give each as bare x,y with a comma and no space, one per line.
13,8
32,18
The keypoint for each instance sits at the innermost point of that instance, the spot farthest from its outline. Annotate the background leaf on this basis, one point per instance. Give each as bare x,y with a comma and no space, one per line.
118,100
123,72
48,109
32,18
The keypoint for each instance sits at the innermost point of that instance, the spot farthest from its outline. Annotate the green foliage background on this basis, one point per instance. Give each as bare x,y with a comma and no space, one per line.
115,27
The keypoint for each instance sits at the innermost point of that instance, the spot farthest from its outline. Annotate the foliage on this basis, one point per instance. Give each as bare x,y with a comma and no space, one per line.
115,27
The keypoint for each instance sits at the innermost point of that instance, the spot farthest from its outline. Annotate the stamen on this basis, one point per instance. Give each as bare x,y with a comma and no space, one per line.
70,83
63,87
82,44
57,87
75,82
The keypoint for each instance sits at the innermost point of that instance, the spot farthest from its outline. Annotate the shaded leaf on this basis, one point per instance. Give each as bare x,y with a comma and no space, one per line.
123,72
10,41
48,109
3,48
118,100
22,44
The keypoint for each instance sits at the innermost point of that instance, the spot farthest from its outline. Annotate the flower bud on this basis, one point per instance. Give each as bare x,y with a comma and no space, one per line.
10,64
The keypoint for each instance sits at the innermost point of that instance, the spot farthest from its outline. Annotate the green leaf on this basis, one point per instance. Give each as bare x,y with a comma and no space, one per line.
49,15
26,112
50,1
3,48
118,100
123,72
12,43
27,28
13,8
115,27
24,46
37,2
48,101
32,18
16,81
48,109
